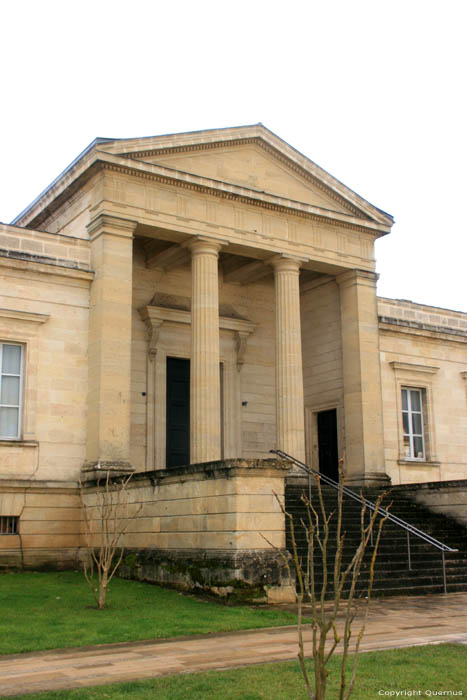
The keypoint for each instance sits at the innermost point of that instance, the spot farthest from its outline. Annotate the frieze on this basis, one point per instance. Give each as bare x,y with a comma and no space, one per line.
233,196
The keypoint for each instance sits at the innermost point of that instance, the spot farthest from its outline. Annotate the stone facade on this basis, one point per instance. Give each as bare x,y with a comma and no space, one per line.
229,251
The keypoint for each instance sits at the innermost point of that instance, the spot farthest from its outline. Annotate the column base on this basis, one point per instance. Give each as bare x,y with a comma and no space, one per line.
368,479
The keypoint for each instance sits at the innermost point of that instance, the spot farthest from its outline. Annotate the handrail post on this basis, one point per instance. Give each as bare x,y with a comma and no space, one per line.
408,551
444,571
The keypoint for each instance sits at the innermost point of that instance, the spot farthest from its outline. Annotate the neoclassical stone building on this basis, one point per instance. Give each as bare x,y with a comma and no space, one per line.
206,297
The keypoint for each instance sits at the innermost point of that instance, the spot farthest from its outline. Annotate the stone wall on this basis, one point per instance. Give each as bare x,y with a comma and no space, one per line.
44,306
448,497
64,250
49,524
216,526
425,347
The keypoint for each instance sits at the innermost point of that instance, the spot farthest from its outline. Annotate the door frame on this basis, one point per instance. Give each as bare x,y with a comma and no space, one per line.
311,430
156,400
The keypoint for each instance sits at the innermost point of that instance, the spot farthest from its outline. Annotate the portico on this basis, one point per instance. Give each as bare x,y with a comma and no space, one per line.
216,273
217,248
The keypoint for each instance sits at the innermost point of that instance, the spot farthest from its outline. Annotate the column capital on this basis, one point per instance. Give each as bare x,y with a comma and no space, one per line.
286,263
351,277
203,244
113,225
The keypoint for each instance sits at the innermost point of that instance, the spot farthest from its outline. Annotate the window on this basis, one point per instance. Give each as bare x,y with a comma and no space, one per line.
9,524
412,422
11,371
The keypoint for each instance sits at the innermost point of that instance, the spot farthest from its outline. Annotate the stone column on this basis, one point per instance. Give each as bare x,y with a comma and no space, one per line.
363,410
289,372
205,412
108,423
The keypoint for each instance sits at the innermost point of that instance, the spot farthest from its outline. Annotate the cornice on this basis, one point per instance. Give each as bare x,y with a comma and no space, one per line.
155,316
49,268
108,224
362,277
252,133
224,190
162,313
369,218
24,316
398,325
60,194
412,367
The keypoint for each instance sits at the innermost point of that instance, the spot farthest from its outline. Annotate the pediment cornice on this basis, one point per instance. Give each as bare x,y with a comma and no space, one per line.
251,134
102,156
247,195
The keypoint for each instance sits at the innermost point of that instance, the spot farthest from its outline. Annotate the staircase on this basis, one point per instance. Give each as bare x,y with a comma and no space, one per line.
393,576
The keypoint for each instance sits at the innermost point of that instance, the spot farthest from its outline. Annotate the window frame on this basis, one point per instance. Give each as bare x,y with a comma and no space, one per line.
9,525
410,412
20,404
408,375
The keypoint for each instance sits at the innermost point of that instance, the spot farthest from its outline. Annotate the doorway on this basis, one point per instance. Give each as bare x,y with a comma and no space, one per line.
327,443
178,412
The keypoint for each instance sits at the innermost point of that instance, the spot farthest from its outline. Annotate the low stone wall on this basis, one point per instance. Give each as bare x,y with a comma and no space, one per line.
215,526
447,497
49,524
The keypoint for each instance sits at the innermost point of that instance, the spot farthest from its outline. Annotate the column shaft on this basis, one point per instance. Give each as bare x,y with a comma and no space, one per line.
205,412
289,371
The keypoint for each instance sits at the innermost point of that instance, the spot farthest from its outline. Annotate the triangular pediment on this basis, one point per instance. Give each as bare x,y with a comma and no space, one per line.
249,163
252,167
250,157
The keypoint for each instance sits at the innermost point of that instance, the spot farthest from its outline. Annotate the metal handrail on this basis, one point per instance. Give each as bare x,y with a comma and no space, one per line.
410,529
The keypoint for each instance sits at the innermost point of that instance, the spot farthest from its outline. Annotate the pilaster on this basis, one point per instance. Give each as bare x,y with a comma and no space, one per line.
363,413
108,427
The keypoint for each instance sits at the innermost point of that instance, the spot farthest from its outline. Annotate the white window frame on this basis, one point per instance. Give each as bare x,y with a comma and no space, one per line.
410,412
19,406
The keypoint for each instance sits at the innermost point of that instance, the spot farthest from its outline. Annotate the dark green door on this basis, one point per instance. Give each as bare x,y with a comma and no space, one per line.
327,444
178,412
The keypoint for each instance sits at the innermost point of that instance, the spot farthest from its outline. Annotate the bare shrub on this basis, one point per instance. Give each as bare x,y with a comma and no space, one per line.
105,523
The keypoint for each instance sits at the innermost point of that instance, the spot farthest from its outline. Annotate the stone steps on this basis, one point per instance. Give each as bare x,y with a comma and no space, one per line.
392,573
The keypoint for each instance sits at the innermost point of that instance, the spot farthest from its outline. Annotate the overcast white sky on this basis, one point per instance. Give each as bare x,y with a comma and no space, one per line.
373,91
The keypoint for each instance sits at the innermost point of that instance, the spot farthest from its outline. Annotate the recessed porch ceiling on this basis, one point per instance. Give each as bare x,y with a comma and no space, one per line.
236,268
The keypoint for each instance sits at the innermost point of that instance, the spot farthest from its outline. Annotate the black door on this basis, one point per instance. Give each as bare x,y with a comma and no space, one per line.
178,412
327,443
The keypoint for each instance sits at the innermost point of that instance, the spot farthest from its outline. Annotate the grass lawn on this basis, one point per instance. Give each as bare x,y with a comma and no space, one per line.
429,668
55,610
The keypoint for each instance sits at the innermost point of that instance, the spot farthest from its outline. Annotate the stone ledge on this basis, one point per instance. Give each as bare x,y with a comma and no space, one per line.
7,482
432,485
418,463
224,468
19,443
418,328
221,469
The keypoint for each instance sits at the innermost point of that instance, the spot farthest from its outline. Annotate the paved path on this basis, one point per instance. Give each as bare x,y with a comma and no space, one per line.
393,622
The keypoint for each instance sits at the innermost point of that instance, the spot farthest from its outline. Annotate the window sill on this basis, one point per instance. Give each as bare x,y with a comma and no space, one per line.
18,443
418,463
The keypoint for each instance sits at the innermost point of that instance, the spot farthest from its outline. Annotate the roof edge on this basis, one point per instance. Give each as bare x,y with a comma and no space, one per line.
89,147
